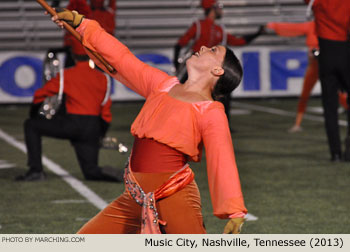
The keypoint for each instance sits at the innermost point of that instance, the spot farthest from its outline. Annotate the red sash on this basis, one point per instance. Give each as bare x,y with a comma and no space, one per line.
150,222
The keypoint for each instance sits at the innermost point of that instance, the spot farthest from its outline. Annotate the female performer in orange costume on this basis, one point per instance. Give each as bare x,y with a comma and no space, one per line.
175,122
311,75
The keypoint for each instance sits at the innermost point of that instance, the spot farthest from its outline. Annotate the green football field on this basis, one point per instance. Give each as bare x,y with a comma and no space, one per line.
289,184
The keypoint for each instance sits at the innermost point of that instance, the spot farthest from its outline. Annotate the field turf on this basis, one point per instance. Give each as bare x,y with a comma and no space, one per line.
288,181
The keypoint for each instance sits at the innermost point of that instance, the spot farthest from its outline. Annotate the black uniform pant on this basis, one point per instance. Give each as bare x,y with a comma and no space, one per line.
334,65
82,130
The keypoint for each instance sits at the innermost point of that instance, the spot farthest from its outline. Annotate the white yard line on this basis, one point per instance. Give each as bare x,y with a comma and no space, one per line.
280,112
82,219
241,105
76,184
69,201
94,199
7,166
74,201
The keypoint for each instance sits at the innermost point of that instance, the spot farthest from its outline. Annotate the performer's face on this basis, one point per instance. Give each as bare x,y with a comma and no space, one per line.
206,59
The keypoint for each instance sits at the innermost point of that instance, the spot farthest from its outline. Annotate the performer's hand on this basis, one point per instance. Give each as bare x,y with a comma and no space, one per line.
234,226
262,30
73,18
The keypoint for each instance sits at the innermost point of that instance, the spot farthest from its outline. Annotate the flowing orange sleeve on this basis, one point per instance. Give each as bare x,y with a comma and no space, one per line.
223,179
134,73
291,29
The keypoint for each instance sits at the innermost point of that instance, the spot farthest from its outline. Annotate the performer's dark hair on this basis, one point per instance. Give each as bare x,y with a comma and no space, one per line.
231,78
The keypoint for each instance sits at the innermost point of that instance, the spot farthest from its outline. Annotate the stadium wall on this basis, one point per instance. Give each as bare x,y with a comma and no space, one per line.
268,72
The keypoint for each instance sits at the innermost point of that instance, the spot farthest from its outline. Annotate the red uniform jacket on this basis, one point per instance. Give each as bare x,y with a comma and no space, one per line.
84,88
332,19
106,17
83,8
210,34
80,6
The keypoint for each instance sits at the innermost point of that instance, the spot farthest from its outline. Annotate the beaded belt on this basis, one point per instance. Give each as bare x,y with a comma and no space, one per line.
150,221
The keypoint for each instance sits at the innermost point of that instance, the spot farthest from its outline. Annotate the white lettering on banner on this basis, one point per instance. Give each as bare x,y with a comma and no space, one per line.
268,72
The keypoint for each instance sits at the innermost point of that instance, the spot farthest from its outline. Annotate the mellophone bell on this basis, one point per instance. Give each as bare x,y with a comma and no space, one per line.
52,104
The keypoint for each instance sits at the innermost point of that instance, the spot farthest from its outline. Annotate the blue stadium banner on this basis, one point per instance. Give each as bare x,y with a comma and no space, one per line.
268,72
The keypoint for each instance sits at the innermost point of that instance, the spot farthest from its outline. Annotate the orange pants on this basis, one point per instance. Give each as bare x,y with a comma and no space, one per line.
181,211
310,79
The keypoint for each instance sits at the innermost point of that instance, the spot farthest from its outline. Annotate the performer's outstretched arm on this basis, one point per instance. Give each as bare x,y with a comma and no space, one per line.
137,75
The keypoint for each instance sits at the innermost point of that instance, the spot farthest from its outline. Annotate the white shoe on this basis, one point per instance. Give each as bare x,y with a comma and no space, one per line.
295,129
